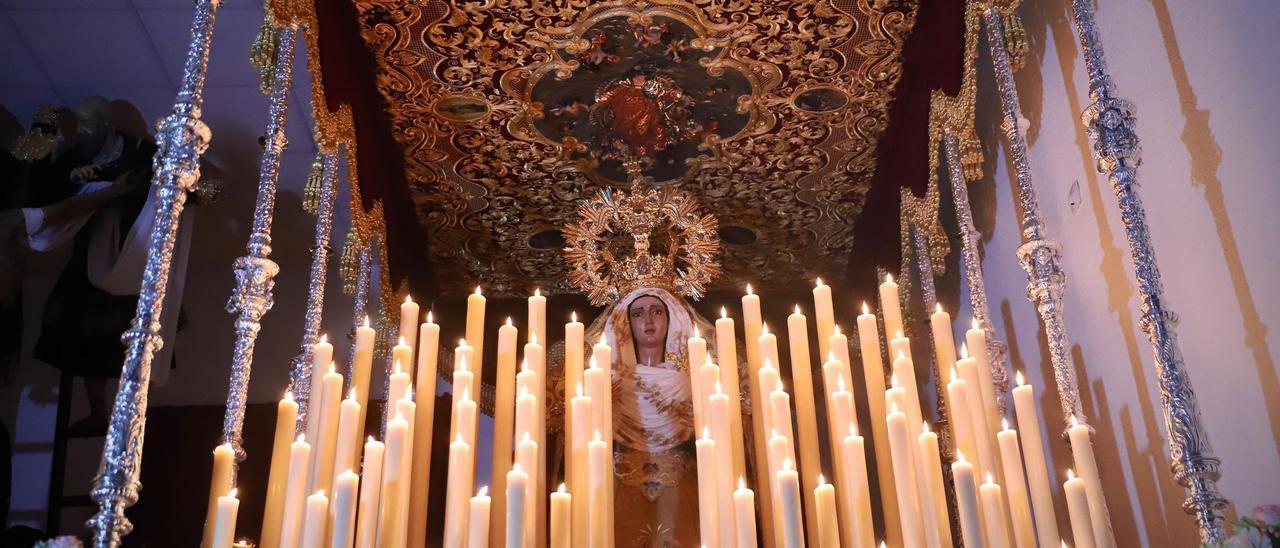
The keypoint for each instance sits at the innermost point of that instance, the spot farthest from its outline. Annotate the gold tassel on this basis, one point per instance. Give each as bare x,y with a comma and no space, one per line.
1015,39
971,157
262,53
315,180
349,264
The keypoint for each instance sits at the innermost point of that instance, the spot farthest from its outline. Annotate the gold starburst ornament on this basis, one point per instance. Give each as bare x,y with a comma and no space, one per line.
643,238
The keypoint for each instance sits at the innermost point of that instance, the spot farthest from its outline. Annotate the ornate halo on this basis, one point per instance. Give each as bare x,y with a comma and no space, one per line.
645,238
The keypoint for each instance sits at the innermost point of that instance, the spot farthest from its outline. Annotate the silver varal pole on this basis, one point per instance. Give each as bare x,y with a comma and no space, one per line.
1110,122
301,366
255,273
1040,255
181,138
997,350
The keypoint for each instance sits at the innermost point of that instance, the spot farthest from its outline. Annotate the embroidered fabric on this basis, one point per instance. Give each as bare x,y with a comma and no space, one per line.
651,472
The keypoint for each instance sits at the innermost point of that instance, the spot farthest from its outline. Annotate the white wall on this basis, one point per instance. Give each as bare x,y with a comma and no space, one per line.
1201,75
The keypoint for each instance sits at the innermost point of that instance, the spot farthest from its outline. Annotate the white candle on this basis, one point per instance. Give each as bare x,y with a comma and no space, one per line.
727,356
295,492
406,408
278,478
370,494
768,343
1082,456
409,323
478,521
597,477
824,316
1015,486
323,457
391,526
839,419
744,515
459,484
988,461
537,316
342,512
475,325
402,356
944,342
534,355
561,516
423,426
708,504
399,381
718,418
573,359
976,341
1078,510
873,376
526,459
905,476
362,367
348,435
806,416
321,357
993,513
958,406
504,419
789,493
581,411
751,327
964,481
825,499
224,523
517,489
317,514
697,349
853,452
890,306
219,482
1024,401
938,529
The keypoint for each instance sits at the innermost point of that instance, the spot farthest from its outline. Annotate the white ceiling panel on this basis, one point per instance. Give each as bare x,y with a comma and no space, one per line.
233,33
91,48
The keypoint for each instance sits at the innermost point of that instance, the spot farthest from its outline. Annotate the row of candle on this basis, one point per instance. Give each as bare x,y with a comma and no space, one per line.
716,415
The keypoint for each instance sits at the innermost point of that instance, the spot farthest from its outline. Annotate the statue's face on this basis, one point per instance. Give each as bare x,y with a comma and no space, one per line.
648,322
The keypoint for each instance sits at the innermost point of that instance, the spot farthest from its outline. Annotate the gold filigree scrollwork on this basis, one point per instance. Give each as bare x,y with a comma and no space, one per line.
458,80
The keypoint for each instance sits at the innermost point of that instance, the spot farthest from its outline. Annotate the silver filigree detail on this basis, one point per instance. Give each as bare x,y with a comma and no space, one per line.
997,350
181,138
1040,255
1111,126
301,366
255,273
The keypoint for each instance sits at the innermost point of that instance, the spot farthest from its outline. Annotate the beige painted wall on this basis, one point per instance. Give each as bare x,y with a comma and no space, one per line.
1200,74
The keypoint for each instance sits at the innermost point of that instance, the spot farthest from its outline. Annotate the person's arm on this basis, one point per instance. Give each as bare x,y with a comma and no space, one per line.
82,204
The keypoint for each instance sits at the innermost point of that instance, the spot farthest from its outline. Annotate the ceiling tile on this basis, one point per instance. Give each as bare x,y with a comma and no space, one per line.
19,68
241,112
91,48
234,31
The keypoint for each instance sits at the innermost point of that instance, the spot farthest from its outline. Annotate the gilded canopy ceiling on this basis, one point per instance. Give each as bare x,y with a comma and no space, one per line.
509,112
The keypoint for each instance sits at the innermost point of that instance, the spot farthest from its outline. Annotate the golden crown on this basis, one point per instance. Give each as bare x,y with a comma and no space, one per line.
645,238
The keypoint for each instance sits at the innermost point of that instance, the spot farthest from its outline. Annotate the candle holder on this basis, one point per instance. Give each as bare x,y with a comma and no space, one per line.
1110,123
182,138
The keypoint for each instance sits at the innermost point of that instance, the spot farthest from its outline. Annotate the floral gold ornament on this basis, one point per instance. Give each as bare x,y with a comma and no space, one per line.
644,238
508,113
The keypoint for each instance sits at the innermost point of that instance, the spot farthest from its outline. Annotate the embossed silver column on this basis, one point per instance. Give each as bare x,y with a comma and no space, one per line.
300,366
1110,123
997,350
1039,254
255,273
181,138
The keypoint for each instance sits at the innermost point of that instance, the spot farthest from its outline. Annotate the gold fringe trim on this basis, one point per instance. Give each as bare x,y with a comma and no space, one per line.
315,180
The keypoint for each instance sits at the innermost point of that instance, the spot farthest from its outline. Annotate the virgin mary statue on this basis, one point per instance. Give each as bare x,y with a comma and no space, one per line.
648,323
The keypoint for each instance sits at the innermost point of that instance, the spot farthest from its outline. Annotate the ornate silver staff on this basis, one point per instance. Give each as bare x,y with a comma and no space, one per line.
255,273
1110,123
1039,254
997,350
300,370
181,138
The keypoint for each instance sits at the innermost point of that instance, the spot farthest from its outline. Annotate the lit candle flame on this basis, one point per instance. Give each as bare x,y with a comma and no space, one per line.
888,278
937,308
233,492
893,407
533,338
797,312
537,292
840,382
788,465
706,432
477,290
1004,424
596,436
818,282
924,427
898,334
579,390
749,292
508,320
964,351
408,393
301,438
602,340
483,492
719,391
853,429
837,331
366,321
1018,377
561,488
893,380
397,372
990,478
403,342
724,313
573,316
822,480
1071,474
742,482
351,394
333,367
408,299
430,318
975,324
764,329
288,395
697,334
324,338
960,456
